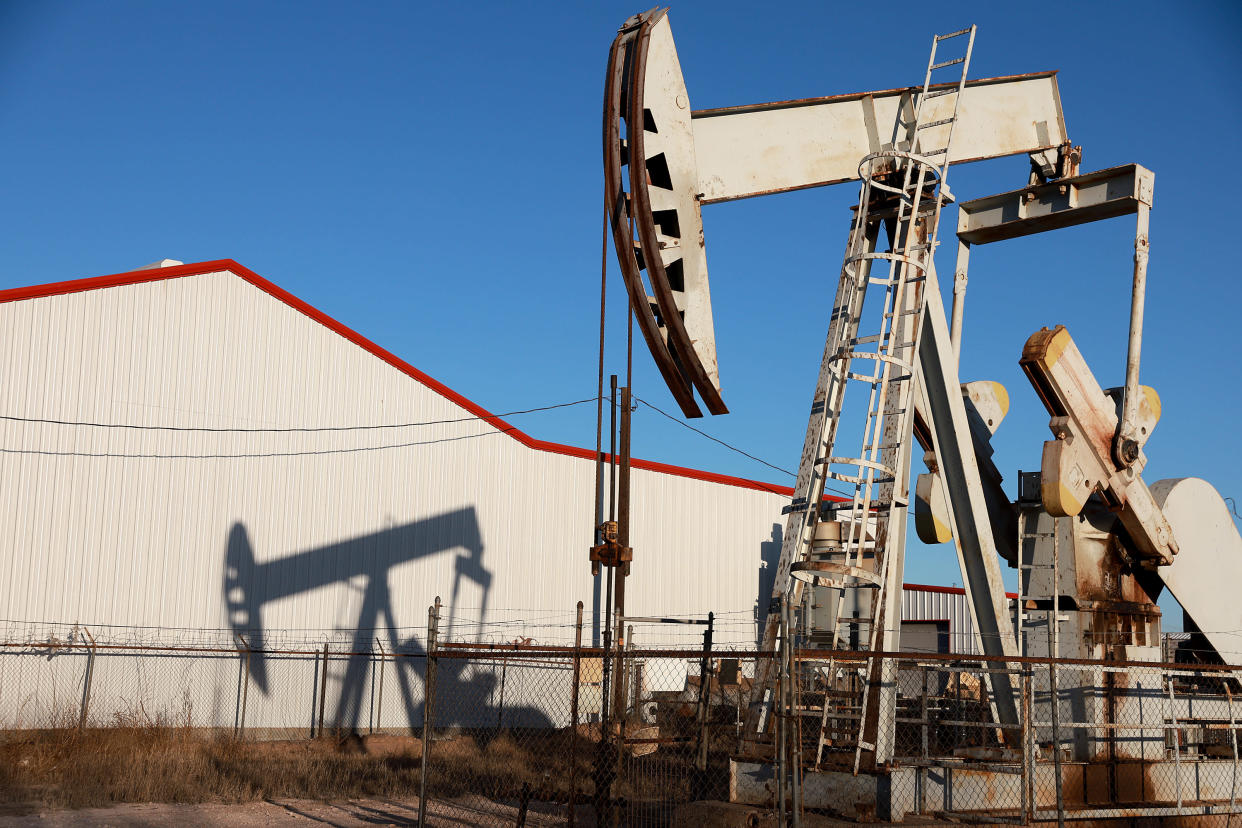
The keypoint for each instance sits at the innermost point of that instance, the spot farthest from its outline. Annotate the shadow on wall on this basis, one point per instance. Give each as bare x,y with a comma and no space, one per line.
769,558
249,586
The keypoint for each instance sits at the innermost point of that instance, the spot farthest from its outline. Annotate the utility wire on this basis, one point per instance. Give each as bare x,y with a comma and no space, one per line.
232,430
731,447
714,439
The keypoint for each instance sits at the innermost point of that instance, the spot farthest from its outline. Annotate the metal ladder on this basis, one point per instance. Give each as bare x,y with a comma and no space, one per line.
894,456
903,188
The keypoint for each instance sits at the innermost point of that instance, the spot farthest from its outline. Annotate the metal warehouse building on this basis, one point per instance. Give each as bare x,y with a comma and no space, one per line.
172,462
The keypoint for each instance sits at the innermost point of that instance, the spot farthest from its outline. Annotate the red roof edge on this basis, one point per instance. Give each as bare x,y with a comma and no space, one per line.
944,589
156,274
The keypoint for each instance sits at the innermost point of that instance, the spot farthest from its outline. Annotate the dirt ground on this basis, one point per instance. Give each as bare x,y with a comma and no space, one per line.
364,813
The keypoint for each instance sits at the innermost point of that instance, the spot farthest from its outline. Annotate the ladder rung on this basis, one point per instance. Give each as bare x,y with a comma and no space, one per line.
943,64
941,122
933,152
936,94
952,35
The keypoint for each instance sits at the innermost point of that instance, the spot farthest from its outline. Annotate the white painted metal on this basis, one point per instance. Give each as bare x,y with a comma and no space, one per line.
747,151
680,241
133,527
1204,575
129,530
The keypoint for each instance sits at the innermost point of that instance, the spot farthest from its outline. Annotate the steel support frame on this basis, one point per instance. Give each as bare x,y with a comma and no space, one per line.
968,513
1116,191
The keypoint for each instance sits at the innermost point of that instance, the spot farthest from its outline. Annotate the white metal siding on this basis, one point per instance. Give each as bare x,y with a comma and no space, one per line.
935,605
131,527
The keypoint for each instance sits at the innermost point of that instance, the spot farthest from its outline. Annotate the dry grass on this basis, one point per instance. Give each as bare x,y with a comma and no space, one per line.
141,758
138,760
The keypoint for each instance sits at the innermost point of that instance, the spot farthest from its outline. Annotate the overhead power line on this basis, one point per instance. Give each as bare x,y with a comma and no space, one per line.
298,430
730,446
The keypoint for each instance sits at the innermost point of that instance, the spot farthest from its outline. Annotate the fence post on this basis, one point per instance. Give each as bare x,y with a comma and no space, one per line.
618,712
923,710
323,688
705,679
1054,696
239,730
1233,741
1028,788
1177,744
781,724
573,715
699,790
500,711
429,694
379,701
86,679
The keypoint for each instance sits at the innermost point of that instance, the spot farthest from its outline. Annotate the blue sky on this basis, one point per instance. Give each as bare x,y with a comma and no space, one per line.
430,175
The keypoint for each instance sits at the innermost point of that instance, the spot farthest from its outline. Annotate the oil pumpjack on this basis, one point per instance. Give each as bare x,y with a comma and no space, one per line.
1093,542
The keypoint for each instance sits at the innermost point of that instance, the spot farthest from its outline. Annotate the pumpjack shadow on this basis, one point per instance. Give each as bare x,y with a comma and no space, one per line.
249,586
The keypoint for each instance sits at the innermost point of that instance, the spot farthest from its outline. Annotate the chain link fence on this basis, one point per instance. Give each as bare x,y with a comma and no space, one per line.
529,734
985,739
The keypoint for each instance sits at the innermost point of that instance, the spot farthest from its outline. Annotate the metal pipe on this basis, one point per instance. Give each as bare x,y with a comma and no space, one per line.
599,402
623,505
429,692
612,451
1126,449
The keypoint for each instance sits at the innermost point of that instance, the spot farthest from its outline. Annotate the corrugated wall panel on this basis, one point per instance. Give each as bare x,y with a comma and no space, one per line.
135,526
940,605
324,534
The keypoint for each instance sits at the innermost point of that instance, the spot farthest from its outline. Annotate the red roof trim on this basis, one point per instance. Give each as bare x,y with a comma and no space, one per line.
156,274
944,590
